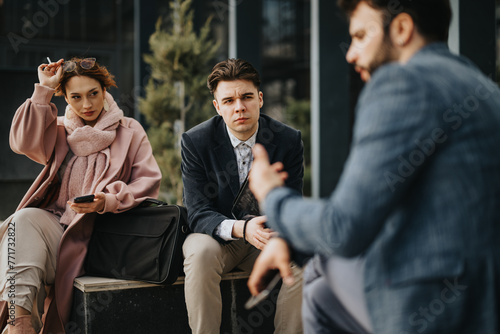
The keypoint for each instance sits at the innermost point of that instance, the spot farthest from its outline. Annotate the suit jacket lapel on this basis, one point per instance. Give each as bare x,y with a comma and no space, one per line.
264,137
226,157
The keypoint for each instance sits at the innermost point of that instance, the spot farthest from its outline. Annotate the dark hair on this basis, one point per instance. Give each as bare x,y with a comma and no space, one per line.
431,17
97,72
230,70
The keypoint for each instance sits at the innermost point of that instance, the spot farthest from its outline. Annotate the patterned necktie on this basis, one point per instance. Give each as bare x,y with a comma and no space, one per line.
244,162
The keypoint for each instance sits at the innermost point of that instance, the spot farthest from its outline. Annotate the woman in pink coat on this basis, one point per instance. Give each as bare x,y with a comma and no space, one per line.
93,149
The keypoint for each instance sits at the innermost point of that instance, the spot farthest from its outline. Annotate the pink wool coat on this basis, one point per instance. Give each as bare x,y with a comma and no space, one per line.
133,175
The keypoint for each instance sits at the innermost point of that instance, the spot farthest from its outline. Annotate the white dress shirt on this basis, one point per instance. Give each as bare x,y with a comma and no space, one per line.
244,158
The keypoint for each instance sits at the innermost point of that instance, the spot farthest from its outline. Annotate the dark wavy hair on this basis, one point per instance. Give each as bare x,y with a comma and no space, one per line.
431,17
230,70
97,72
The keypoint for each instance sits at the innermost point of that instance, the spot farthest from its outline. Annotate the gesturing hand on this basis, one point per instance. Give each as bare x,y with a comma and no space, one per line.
264,176
276,255
95,206
49,75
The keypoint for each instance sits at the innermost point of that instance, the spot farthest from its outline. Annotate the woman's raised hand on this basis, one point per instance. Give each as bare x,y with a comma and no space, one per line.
49,75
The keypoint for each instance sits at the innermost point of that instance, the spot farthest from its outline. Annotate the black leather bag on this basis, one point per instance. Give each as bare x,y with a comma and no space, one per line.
144,243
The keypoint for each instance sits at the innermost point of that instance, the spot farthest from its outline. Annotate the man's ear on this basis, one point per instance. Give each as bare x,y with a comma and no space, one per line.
216,106
261,99
401,29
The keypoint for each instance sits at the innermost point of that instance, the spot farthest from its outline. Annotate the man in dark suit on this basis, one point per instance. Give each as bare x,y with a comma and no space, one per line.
216,159
419,195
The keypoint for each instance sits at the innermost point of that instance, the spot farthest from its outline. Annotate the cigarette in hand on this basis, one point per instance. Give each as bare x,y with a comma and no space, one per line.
50,61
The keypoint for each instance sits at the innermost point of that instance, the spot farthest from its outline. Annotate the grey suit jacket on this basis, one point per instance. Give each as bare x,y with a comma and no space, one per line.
419,196
210,170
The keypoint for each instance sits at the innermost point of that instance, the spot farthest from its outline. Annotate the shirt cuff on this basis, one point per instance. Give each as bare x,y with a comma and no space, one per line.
225,230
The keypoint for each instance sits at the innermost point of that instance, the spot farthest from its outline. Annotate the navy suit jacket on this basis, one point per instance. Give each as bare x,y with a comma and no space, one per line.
419,197
210,171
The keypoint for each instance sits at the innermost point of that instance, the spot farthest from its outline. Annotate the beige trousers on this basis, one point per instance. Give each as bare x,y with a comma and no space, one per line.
206,260
29,241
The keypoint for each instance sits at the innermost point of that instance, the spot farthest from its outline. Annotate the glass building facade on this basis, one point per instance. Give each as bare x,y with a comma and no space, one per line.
116,32
293,43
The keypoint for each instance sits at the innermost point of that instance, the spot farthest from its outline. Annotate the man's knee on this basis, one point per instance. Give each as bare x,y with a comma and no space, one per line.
201,251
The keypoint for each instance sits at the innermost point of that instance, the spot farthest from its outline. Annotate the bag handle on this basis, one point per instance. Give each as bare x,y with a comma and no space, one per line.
151,202
148,202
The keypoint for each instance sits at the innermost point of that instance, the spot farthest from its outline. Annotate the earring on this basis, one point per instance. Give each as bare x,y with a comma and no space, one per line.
106,105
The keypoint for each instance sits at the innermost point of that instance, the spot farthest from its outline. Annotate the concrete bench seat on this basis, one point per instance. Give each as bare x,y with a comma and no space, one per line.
107,305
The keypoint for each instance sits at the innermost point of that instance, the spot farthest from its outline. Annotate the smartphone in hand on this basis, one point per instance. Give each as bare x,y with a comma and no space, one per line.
84,199
273,277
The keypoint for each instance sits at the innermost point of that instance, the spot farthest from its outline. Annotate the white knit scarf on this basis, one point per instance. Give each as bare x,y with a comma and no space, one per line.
90,146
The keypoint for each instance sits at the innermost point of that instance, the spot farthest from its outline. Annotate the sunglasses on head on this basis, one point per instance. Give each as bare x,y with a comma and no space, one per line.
86,63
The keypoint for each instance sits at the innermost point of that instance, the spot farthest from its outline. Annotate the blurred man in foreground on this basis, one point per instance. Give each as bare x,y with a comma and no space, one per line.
419,196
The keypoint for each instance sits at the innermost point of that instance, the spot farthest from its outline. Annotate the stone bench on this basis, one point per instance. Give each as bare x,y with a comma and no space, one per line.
106,305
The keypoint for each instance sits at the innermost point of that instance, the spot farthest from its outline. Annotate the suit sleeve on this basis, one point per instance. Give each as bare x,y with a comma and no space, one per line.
294,165
199,191
391,118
